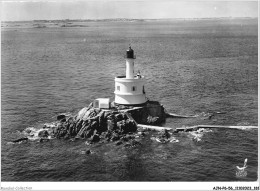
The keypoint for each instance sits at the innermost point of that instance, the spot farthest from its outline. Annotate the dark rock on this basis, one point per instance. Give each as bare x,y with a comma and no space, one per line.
121,107
63,120
108,135
21,139
92,112
79,125
165,134
127,137
211,115
95,138
127,126
59,126
120,117
44,140
101,117
111,125
135,143
70,120
71,129
121,125
153,109
95,132
62,132
115,137
61,117
85,152
84,130
106,114
102,135
89,133
55,131
43,133
127,145
175,131
66,137
119,143
130,136
94,125
108,139
102,122
124,139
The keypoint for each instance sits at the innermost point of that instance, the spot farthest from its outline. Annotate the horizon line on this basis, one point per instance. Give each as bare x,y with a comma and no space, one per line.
180,18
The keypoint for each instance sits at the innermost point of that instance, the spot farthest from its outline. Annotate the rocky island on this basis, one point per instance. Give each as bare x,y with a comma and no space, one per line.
95,124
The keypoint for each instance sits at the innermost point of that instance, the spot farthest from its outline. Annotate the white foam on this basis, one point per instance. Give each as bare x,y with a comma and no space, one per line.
66,114
197,135
203,115
9,143
50,125
32,133
174,140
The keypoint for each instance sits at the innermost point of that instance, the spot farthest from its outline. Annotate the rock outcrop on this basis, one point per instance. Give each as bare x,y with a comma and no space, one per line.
95,125
153,113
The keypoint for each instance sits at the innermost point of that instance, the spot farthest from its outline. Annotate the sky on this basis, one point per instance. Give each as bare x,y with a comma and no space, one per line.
136,9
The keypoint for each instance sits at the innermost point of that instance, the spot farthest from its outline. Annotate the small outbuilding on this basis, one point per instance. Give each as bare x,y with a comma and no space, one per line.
102,103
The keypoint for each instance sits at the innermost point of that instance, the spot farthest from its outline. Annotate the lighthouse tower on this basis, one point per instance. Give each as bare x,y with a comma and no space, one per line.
129,89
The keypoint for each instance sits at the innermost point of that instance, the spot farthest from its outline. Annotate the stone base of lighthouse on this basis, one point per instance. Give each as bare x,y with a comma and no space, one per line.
150,113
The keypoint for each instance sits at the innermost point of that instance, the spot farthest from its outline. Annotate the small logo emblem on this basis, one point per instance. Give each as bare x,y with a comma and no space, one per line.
241,171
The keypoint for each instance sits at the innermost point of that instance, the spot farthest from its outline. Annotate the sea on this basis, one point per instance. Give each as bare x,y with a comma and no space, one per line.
201,67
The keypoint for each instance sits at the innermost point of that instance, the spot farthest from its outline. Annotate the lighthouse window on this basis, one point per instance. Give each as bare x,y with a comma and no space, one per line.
118,88
134,88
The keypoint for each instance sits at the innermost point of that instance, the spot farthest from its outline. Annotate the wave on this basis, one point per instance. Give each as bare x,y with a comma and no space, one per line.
197,135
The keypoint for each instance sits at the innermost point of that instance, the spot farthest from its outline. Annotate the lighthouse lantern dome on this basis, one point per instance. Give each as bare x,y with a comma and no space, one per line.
130,53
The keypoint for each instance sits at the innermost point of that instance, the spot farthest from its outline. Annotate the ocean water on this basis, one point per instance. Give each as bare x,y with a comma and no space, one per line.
193,67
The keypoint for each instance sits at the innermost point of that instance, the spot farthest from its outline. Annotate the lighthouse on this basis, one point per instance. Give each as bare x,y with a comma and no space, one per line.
129,89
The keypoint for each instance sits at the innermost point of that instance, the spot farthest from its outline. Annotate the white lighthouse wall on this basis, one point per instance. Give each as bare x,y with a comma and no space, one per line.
130,68
126,86
125,94
130,99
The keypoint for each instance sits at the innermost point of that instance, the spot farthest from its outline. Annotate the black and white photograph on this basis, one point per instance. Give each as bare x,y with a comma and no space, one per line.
129,94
